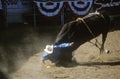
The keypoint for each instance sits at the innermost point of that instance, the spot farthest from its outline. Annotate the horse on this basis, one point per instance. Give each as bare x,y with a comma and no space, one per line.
80,31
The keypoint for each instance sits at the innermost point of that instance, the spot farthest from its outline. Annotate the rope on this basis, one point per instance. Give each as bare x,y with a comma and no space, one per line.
86,26
81,19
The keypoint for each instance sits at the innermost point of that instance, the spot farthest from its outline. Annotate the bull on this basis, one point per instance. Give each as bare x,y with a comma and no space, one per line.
75,33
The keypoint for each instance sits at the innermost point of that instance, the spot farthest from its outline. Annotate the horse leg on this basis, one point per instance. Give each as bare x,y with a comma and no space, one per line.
102,49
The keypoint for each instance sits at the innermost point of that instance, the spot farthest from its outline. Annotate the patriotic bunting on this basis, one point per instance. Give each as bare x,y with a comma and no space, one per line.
53,8
49,8
81,7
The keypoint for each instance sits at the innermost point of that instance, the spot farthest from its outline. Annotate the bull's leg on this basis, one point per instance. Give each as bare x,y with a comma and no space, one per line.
102,49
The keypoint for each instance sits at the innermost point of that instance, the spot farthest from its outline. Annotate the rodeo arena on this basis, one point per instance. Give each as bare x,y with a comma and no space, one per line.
59,39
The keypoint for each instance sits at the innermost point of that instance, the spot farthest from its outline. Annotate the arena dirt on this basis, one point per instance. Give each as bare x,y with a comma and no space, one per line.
21,49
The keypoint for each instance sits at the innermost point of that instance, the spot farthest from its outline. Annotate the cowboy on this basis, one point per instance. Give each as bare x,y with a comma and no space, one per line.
49,51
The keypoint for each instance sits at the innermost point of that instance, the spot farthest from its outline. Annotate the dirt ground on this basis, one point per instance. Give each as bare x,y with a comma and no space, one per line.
21,50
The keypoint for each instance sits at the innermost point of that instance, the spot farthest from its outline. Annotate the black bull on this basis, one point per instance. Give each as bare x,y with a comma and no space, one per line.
77,32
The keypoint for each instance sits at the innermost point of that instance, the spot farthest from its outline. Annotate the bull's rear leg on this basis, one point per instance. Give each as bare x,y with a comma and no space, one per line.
102,49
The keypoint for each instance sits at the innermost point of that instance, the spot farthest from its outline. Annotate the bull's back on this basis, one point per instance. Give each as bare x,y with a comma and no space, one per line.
80,31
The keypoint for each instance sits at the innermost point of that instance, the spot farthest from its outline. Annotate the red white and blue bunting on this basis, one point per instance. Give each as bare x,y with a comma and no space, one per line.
49,8
81,7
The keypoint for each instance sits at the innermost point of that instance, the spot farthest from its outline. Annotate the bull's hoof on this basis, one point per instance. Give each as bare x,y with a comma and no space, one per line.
105,51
